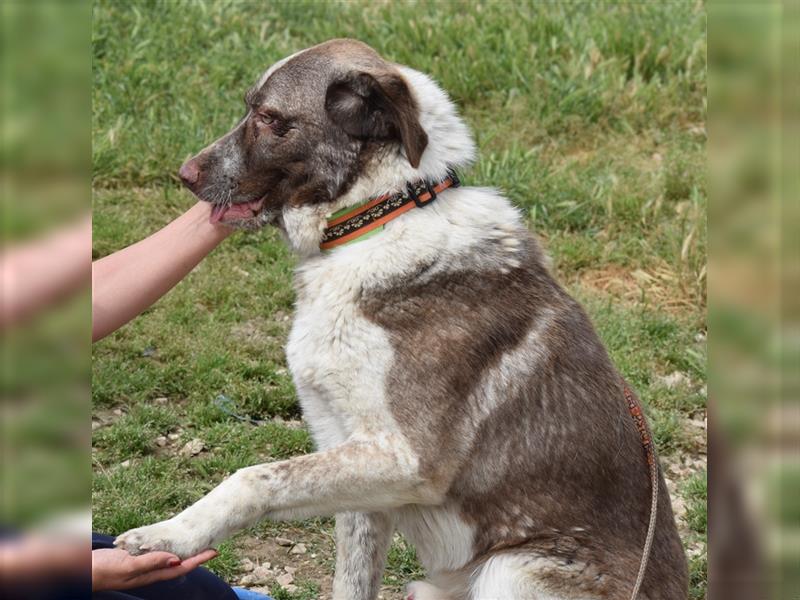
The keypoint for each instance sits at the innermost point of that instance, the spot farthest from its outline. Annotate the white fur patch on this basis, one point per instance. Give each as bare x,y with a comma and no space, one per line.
514,577
275,67
441,537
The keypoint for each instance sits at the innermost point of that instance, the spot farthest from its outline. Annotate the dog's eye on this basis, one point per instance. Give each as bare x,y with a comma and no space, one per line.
277,125
267,119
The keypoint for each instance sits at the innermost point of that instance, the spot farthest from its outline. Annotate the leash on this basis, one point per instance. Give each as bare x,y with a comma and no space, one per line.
635,408
357,222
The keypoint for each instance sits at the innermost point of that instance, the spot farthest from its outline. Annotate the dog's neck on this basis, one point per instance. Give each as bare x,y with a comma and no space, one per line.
450,145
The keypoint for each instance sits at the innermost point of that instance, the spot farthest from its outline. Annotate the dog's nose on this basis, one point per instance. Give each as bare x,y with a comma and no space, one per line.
189,173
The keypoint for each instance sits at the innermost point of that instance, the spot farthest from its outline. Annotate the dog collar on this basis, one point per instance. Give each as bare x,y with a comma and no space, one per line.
355,222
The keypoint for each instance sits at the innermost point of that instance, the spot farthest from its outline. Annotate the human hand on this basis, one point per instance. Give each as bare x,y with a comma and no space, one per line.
115,569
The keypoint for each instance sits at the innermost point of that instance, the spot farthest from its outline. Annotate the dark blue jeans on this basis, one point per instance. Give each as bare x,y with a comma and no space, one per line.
199,584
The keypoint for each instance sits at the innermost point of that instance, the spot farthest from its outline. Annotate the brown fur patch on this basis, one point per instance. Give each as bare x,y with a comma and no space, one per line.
556,470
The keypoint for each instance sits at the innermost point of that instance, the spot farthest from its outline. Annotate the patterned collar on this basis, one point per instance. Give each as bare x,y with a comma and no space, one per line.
355,222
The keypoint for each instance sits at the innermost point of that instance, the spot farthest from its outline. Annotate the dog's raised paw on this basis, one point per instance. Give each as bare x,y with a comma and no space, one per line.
166,536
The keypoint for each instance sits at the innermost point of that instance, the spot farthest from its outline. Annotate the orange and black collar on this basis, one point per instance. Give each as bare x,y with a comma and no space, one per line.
353,223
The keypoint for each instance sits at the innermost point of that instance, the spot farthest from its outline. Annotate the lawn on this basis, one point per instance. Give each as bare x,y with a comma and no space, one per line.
591,118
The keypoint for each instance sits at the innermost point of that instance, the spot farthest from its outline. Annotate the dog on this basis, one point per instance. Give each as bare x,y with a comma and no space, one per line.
455,392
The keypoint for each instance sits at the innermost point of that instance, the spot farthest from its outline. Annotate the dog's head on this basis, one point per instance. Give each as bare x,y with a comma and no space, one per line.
313,123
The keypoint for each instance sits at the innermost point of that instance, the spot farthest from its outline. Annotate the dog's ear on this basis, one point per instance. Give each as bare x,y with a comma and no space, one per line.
377,106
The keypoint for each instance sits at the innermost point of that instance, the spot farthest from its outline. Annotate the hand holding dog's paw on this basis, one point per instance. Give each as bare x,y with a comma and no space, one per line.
167,536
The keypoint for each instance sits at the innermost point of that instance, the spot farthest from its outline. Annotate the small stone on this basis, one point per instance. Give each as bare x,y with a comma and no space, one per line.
161,400
284,579
262,574
193,448
247,580
96,425
290,570
282,541
149,351
173,436
246,565
125,463
161,441
298,549
119,412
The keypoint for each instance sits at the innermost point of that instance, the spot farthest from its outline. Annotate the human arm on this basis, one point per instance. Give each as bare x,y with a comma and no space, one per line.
127,282
36,274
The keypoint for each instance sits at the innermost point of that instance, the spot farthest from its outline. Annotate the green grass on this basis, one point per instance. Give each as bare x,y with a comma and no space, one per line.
590,117
695,491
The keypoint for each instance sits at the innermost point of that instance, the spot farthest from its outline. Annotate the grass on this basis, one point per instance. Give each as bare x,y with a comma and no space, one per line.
591,118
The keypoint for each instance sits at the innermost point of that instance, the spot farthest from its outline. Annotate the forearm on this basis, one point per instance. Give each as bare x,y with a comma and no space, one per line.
127,282
38,273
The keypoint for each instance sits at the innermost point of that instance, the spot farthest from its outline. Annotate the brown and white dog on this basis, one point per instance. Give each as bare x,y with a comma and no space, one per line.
454,390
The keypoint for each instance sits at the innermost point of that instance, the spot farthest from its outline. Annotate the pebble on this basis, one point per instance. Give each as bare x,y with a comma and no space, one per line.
284,579
161,441
298,549
282,541
173,436
193,448
125,463
161,400
262,574
259,576
246,565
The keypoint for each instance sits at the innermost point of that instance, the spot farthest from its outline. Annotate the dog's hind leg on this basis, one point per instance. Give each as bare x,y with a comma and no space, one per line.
362,544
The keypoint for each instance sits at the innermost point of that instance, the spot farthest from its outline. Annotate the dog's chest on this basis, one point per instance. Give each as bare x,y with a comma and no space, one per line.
338,358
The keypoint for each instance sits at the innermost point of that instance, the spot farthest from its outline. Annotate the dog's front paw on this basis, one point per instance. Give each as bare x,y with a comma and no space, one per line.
168,536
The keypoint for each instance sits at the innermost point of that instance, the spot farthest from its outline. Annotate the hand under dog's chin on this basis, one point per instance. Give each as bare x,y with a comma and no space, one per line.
255,223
